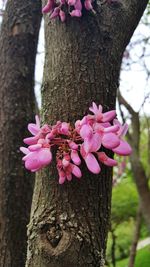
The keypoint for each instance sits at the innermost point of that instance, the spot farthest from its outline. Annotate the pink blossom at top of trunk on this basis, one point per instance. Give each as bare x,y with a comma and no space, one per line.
63,8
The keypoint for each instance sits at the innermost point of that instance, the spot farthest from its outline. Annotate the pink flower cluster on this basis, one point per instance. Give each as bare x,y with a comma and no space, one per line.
59,8
86,140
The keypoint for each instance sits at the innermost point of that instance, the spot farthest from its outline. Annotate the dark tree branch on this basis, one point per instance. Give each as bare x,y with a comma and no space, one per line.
123,102
129,136
134,137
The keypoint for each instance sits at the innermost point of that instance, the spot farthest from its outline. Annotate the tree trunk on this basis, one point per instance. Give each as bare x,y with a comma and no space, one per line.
18,44
113,248
142,185
135,238
69,223
139,173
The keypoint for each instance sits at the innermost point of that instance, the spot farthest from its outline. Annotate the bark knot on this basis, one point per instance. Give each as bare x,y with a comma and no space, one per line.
15,30
54,235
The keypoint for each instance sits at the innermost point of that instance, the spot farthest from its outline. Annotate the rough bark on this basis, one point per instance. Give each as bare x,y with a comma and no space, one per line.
139,173
18,44
135,238
69,223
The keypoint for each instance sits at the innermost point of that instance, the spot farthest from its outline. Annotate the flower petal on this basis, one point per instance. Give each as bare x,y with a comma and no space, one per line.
75,157
88,4
71,2
92,163
55,13
105,159
96,141
48,7
69,177
123,130
72,145
76,13
78,5
24,150
44,156
34,147
76,171
65,162
109,116
32,127
64,129
30,140
62,176
111,129
110,140
37,119
123,149
32,162
62,15
86,131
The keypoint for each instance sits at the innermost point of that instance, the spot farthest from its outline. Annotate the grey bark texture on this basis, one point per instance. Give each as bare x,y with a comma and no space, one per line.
18,45
69,223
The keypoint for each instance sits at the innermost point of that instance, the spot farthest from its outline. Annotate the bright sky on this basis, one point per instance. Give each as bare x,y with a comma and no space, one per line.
134,79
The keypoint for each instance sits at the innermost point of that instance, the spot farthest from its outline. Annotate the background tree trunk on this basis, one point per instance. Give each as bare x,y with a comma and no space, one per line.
69,223
113,247
18,45
139,173
136,236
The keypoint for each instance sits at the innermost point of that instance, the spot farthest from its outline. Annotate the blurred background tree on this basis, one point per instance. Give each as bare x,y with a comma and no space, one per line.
18,45
127,225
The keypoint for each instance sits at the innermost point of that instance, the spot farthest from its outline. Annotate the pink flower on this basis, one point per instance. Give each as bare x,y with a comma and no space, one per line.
86,139
62,176
90,160
78,5
36,159
62,15
92,141
75,157
55,13
88,4
102,117
123,148
110,140
72,7
102,157
34,129
66,169
76,13
71,2
64,128
108,134
48,7
72,145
